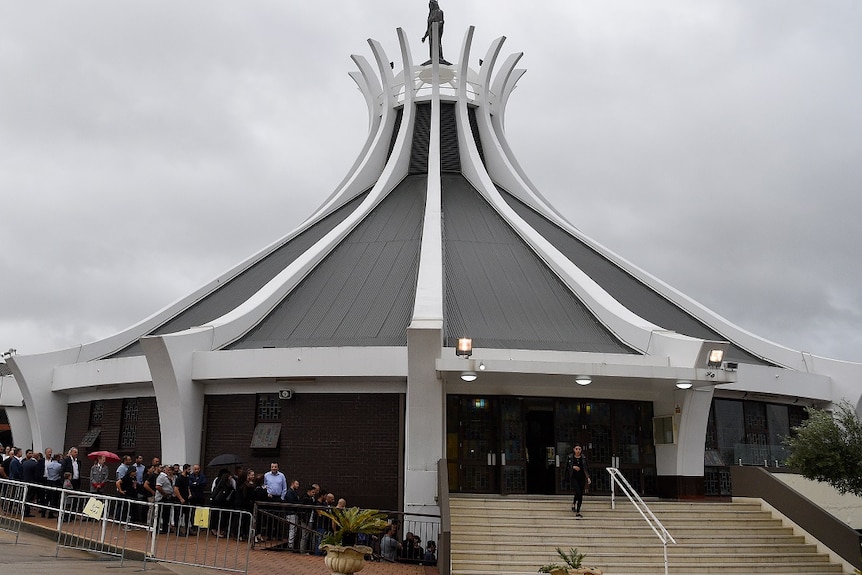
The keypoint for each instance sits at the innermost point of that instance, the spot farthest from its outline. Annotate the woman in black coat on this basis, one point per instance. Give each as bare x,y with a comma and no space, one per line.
578,474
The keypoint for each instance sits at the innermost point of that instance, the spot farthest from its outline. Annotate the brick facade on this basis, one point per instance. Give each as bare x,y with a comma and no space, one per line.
348,443
148,437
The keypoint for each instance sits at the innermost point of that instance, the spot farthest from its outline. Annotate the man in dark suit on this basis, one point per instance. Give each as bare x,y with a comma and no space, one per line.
16,468
42,478
30,467
70,465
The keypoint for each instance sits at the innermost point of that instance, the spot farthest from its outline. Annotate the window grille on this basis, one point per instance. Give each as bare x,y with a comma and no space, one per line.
128,437
129,426
268,408
97,411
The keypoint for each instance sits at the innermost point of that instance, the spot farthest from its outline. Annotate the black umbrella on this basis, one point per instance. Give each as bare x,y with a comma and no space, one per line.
225,459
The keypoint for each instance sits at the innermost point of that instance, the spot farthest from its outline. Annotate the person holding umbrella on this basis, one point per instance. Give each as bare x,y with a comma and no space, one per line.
99,472
226,460
98,475
223,495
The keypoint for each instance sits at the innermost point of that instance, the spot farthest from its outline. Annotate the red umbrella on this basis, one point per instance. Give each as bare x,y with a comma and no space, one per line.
108,455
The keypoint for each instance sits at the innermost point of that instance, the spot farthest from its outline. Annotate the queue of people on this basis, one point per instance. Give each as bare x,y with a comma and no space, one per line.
409,550
185,488
37,468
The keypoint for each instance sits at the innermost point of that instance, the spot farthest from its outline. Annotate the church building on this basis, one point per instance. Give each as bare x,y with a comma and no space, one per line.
434,318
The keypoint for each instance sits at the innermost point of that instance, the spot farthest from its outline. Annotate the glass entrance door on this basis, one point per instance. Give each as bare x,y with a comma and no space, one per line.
513,459
542,460
473,443
505,444
588,423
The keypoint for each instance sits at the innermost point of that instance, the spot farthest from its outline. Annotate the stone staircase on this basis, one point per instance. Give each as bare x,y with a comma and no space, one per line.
515,535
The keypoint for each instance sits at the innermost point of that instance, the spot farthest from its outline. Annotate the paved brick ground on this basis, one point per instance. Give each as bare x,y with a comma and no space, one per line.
260,561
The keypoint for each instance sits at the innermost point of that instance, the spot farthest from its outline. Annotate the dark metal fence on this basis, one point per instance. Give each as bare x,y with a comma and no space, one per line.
299,529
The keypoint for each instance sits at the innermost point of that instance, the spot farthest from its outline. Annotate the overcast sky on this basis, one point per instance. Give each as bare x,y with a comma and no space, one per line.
147,147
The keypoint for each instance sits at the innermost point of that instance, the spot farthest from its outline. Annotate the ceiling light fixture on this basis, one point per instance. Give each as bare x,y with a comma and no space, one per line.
683,384
469,376
583,380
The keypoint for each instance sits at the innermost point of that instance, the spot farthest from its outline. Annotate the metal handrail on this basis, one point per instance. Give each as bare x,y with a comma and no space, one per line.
653,522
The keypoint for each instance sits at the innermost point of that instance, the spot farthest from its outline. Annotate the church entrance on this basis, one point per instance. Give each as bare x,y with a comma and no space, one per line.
505,444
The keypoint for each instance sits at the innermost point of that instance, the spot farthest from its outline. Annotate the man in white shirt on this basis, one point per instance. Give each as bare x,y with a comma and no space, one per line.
275,483
164,495
123,467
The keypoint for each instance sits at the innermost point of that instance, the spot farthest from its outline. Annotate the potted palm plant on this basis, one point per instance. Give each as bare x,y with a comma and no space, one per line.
343,555
571,565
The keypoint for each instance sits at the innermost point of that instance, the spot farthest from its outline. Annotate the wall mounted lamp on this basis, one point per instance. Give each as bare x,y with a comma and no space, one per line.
583,379
716,356
465,347
683,384
712,354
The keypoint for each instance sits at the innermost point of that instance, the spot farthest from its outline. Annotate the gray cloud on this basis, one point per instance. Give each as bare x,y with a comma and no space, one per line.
148,147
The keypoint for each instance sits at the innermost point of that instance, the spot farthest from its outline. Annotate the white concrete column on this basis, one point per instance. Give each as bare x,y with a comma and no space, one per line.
424,436
685,458
22,433
46,410
426,414
180,399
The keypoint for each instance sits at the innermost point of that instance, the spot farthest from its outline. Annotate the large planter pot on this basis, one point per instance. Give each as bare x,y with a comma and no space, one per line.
345,560
581,571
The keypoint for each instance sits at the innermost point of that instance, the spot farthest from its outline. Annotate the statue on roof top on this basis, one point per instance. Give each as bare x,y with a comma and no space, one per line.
435,14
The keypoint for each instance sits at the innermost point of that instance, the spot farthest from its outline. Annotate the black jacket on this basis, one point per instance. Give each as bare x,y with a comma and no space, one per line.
579,476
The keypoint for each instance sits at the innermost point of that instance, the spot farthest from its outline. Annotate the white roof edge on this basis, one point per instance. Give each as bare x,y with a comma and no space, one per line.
630,328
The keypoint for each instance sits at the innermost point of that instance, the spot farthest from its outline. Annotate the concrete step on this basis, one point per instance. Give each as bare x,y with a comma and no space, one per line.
562,538
538,551
527,523
509,536
634,568
613,556
461,502
564,508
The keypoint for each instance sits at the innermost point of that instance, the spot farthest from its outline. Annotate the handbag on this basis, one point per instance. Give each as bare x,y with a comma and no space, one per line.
224,493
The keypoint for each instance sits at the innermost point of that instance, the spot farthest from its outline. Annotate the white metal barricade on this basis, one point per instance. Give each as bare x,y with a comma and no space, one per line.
13,495
164,532
201,536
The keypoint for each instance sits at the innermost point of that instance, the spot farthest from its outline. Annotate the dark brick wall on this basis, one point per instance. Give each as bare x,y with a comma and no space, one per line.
149,436
349,443
148,440
77,423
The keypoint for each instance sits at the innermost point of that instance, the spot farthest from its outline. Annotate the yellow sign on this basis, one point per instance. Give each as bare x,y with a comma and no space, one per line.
202,517
94,508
